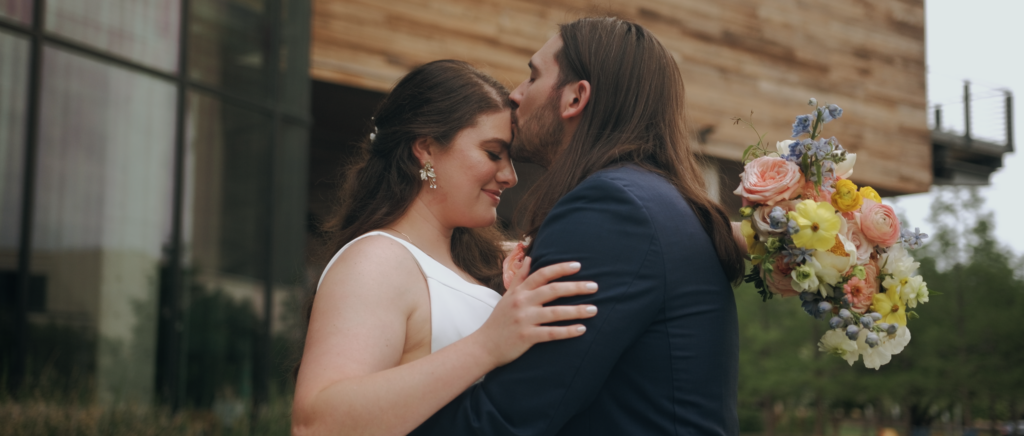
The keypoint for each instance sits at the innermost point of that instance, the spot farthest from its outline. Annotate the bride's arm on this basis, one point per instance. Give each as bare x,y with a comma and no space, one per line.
349,382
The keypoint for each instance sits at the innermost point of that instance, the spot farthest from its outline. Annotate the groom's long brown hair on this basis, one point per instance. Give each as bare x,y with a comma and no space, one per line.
636,114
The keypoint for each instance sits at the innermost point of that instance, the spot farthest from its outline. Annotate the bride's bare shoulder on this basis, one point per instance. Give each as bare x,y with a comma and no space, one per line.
375,262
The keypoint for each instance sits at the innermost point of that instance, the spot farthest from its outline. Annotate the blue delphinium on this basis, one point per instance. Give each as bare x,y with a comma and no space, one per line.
828,169
819,149
913,239
852,331
792,228
796,151
777,220
830,112
811,303
834,111
836,322
825,116
802,125
872,340
796,254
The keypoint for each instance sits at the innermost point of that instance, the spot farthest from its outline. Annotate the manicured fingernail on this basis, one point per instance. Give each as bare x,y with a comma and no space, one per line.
592,309
574,265
592,286
581,329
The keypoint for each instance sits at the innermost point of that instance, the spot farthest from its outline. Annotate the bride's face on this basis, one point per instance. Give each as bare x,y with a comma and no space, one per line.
472,172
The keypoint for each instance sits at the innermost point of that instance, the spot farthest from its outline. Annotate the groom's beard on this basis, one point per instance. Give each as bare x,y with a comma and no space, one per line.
539,137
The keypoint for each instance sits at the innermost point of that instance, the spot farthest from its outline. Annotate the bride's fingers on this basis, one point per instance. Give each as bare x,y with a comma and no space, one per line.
554,291
544,275
564,313
546,334
520,275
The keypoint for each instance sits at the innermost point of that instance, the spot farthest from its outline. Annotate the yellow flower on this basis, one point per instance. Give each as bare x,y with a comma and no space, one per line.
846,198
754,247
890,306
870,194
748,232
818,223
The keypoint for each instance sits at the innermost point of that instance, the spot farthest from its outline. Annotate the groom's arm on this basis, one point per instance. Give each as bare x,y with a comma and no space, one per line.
603,226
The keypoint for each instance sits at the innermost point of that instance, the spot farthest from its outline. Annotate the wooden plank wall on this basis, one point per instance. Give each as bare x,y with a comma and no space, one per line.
768,56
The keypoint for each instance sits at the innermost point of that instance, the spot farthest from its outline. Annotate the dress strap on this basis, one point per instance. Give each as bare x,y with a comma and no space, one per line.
416,253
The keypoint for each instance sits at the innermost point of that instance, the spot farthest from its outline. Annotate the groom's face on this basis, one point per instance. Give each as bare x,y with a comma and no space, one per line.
537,123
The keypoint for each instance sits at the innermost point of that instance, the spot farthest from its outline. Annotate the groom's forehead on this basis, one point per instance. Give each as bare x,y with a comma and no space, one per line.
544,58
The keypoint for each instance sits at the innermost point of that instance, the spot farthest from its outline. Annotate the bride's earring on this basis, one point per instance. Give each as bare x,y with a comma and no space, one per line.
427,173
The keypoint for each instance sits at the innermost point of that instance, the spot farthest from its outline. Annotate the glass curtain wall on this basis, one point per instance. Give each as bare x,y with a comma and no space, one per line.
166,227
17,10
14,50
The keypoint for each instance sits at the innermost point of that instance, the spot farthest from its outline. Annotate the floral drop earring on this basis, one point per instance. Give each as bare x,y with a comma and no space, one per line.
427,173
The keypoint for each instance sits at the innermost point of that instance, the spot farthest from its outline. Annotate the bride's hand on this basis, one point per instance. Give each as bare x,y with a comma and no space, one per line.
516,322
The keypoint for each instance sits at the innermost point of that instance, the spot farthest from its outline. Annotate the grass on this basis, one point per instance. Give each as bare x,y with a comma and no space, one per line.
38,417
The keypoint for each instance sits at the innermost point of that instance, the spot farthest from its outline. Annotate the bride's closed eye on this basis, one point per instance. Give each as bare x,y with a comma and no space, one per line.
494,156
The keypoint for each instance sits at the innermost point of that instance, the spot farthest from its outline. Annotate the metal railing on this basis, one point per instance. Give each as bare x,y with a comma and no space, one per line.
985,117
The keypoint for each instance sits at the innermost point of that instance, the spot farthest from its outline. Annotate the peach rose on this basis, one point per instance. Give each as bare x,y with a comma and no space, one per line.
879,223
512,263
769,180
780,281
860,292
822,194
856,236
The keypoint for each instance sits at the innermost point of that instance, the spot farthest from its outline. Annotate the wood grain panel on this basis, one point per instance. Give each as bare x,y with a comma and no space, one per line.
768,56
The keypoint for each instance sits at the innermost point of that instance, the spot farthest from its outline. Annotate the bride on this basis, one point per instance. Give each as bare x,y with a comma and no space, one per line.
405,318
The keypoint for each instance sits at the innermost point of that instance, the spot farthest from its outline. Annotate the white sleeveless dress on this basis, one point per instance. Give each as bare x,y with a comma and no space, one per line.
457,307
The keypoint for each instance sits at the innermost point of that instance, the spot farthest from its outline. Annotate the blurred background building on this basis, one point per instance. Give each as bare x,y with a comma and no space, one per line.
164,163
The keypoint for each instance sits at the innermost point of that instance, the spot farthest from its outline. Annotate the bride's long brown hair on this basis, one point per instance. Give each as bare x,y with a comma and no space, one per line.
437,101
637,115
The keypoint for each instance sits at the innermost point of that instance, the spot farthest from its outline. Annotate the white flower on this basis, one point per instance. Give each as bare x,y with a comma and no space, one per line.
804,278
844,169
897,262
875,357
833,266
922,295
894,344
836,342
783,146
912,290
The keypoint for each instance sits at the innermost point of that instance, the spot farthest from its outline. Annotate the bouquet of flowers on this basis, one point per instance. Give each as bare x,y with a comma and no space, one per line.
813,234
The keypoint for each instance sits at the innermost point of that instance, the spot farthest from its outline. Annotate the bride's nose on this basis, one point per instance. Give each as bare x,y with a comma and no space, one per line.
506,176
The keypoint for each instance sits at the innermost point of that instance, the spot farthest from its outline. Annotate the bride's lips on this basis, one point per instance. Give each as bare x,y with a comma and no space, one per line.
493,193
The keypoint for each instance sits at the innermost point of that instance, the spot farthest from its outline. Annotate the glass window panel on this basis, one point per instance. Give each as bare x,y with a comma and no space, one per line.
294,81
228,45
19,10
103,213
14,53
145,31
291,169
226,229
13,85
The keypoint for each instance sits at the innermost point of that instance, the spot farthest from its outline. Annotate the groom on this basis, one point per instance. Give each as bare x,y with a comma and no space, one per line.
623,195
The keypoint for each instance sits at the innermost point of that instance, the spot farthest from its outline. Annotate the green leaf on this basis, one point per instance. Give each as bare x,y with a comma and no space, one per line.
746,152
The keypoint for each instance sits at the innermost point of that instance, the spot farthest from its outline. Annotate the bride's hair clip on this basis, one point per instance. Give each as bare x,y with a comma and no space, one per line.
373,135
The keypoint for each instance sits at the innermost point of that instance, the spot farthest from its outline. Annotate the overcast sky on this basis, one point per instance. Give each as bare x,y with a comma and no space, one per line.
980,41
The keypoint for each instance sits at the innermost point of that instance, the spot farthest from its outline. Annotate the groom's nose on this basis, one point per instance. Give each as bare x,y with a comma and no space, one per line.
516,96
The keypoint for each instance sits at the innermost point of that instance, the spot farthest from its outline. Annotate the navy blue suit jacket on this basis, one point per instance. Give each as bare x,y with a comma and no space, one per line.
660,357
